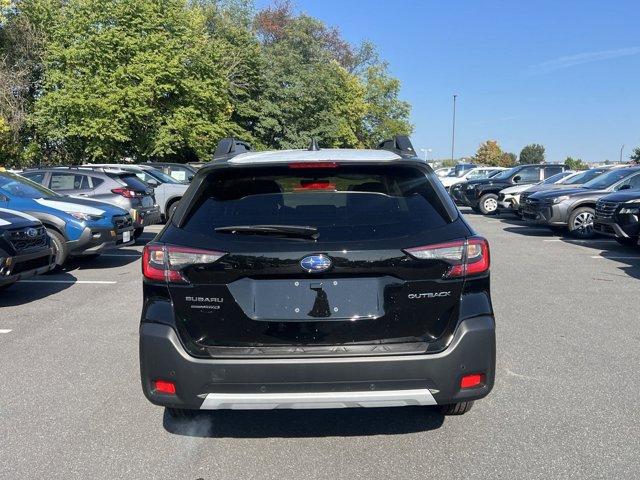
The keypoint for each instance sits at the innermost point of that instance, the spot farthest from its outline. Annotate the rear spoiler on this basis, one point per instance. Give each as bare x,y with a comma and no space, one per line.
400,145
228,148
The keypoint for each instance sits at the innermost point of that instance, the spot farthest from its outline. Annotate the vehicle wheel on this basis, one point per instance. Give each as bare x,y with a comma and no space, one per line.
171,210
627,242
581,222
489,204
181,413
60,249
456,408
137,232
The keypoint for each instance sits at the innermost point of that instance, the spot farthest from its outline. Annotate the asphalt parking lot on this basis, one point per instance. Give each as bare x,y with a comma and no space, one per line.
565,403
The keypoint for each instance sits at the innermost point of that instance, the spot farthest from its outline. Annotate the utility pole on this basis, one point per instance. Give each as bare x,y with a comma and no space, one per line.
453,132
621,149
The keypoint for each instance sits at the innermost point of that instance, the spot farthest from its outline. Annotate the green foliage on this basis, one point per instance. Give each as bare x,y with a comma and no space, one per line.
489,153
635,156
88,80
575,164
131,78
533,153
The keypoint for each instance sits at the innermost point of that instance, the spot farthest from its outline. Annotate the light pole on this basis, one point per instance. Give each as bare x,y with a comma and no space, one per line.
621,149
453,132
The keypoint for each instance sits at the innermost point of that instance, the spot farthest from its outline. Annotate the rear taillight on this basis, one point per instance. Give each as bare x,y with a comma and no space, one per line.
465,257
166,262
125,192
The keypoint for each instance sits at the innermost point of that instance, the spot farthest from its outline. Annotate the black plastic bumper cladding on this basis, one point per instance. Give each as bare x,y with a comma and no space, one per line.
162,357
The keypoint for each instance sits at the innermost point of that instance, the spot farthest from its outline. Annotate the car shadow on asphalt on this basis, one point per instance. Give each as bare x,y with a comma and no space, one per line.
110,260
607,247
306,423
35,288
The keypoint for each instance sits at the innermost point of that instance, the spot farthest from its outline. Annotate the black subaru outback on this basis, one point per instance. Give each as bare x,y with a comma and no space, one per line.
316,279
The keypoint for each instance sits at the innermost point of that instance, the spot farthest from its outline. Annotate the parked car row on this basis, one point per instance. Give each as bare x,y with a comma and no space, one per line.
49,215
604,200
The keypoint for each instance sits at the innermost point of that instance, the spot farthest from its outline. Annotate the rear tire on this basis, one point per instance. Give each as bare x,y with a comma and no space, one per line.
459,408
489,204
137,232
581,223
171,210
60,249
181,414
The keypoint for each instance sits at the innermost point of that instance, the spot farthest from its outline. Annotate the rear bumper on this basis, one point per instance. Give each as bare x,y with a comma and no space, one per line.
143,217
425,379
20,267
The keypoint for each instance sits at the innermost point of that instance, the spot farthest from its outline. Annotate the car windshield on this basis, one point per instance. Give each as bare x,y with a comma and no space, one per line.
146,175
16,185
585,176
556,177
610,178
503,175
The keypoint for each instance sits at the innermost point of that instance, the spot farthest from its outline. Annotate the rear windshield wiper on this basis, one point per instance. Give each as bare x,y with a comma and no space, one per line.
280,230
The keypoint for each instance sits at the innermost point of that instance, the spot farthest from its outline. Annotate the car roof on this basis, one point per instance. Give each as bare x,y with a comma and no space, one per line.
323,155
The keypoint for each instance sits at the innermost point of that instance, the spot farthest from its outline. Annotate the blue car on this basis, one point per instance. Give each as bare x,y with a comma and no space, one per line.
77,227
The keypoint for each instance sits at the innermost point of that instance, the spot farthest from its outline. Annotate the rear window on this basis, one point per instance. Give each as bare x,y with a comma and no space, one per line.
344,203
132,181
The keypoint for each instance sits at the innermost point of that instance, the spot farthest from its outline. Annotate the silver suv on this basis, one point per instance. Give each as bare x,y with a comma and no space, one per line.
115,186
168,191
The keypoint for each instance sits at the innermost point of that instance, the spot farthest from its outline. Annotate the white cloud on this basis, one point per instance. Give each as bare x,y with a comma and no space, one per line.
579,59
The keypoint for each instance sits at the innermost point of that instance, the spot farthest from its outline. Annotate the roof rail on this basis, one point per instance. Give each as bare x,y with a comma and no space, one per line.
400,144
230,147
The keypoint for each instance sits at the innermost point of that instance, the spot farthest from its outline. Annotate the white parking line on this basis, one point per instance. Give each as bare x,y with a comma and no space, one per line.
569,240
5,330
88,282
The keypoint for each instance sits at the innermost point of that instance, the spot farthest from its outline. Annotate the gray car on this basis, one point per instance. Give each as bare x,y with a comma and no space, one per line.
168,191
115,186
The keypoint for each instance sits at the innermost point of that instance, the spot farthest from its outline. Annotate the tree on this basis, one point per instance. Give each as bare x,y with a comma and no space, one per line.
575,164
635,156
131,78
508,159
386,114
533,153
489,153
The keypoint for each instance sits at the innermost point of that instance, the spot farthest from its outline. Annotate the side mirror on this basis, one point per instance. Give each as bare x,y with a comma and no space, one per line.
517,179
4,198
152,182
190,177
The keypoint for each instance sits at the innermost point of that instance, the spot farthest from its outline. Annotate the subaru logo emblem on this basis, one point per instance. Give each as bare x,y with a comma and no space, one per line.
31,232
315,263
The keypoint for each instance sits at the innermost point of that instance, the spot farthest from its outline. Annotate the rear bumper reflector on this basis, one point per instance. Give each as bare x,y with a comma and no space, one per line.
271,401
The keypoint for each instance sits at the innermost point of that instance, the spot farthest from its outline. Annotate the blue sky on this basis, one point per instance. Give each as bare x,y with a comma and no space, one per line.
565,74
